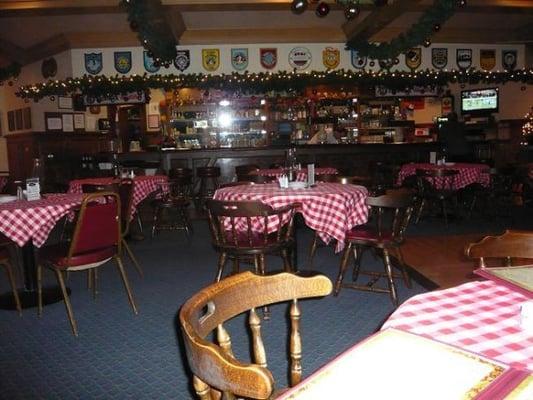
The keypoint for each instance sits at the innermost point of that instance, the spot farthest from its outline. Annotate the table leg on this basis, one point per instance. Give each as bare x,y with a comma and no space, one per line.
28,295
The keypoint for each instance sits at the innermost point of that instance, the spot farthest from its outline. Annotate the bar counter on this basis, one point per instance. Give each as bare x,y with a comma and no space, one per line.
349,159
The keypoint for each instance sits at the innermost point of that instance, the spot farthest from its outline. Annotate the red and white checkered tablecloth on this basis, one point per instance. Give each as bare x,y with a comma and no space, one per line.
467,173
23,220
481,317
143,186
331,209
3,182
301,175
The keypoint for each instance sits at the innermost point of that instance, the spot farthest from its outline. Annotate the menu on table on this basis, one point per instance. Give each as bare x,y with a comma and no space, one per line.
395,364
520,277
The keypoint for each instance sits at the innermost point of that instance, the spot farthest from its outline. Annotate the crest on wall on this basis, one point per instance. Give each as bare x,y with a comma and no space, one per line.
331,57
210,59
268,57
182,60
413,57
464,58
300,58
439,57
386,64
149,63
239,59
487,59
93,63
49,68
358,61
509,59
122,61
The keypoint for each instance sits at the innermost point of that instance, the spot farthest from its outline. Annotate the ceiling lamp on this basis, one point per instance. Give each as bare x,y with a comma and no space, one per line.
298,6
322,9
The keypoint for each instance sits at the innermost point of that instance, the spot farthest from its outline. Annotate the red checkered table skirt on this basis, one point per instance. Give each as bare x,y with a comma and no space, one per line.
301,175
481,317
23,220
467,173
331,209
143,186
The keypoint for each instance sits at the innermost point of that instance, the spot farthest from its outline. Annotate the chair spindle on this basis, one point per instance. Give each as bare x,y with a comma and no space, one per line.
295,344
257,339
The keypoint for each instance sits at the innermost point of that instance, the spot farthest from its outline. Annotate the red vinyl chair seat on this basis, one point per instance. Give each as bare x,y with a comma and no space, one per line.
57,255
369,235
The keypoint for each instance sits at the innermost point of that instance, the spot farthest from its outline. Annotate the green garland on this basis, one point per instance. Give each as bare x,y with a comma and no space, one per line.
147,17
436,15
256,83
11,71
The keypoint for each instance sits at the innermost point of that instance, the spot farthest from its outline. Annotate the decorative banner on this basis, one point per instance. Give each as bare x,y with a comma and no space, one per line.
464,58
93,63
122,61
487,59
413,57
358,62
210,59
509,58
149,63
268,57
125,98
239,59
182,60
331,57
439,57
49,68
300,58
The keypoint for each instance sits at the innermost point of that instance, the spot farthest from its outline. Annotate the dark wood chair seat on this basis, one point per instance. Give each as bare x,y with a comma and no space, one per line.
364,235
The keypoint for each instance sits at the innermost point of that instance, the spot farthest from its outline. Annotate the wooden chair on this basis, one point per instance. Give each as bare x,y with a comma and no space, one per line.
436,187
231,224
514,248
216,372
171,208
5,261
259,179
242,171
208,178
384,239
97,239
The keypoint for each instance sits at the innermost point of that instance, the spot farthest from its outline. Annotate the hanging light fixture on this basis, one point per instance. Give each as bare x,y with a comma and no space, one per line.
298,6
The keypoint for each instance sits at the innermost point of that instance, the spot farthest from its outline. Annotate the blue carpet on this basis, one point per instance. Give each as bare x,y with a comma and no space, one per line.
119,355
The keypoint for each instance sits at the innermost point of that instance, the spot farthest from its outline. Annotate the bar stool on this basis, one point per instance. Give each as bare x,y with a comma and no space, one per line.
208,177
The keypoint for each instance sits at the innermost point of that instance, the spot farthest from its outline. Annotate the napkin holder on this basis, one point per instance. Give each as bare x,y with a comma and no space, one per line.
310,175
33,189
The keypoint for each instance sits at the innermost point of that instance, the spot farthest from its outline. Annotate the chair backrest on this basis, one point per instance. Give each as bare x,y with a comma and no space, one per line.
400,204
258,178
242,170
98,224
234,224
509,245
180,186
100,187
435,179
179,172
214,367
238,183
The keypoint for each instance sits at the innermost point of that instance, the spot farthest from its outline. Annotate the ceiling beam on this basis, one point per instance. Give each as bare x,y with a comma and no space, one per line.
175,22
376,20
12,52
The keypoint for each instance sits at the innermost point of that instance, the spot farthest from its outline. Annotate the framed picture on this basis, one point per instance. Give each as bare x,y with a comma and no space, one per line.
79,122
68,122
26,118
18,120
11,121
53,122
64,103
153,121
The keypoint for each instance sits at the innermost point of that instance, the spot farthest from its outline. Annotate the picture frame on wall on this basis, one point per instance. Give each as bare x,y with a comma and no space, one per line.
19,120
11,121
64,102
79,122
53,122
68,122
26,117
153,121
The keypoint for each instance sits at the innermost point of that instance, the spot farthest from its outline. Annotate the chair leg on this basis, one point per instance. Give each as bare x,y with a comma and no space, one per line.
95,283
221,262
126,284
266,309
286,261
236,266
406,277
444,212
66,299
420,210
357,253
390,280
342,268
139,221
11,277
155,220
132,258
89,279
312,250
39,290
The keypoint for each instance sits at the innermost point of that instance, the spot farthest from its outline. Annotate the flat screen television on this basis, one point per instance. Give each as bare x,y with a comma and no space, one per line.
479,101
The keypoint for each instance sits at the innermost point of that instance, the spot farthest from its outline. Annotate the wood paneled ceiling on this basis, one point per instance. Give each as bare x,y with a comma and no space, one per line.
30,30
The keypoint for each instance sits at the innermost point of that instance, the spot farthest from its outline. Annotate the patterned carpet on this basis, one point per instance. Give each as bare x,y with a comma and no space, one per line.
119,355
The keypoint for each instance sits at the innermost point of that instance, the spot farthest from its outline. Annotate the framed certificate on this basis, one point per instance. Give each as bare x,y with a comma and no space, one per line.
53,122
64,103
79,122
68,122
